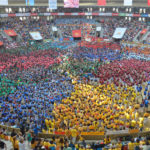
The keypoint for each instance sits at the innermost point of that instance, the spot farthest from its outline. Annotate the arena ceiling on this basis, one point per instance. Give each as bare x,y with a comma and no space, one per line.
83,3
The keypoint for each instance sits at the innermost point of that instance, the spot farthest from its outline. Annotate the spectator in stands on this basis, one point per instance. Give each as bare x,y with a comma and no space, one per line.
146,146
15,143
29,137
137,146
107,140
131,145
21,144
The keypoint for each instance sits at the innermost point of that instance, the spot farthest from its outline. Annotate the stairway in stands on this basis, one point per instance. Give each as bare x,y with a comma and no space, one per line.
102,32
144,37
18,38
137,36
147,39
59,33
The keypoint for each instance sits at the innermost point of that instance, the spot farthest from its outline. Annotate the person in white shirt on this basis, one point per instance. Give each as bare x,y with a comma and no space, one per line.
21,144
146,146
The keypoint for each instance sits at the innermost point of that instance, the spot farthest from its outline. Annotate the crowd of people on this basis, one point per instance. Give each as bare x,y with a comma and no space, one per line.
41,58
24,27
63,143
133,28
67,25
73,87
98,109
125,72
148,39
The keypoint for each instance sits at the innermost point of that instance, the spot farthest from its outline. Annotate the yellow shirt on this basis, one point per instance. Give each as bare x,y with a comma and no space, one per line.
131,146
46,144
46,122
16,144
119,145
133,123
74,132
107,140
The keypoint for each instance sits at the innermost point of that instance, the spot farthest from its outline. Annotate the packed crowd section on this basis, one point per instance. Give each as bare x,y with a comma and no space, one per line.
67,25
23,27
133,27
63,143
73,87
39,73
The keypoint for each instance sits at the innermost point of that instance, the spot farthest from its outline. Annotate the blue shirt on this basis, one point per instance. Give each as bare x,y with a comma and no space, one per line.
145,92
35,131
146,102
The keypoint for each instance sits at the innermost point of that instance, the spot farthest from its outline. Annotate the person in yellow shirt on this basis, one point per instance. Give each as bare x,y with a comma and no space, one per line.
43,131
131,145
118,146
52,145
133,123
46,144
47,123
67,133
107,140
73,134
34,142
137,143
15,143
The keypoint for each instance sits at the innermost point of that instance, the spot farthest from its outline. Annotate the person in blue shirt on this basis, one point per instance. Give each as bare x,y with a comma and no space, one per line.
146,102
36,130
148,95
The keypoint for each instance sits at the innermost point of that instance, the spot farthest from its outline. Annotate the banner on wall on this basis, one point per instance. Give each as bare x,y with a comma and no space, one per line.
36,36
1,43
10,32
76,33
148,2
92,133
59,133
127,2
119,33
101,2
53,4
3,2
30,2
54,28
117,132
74,14
71,3
98,28
134,131
143,31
